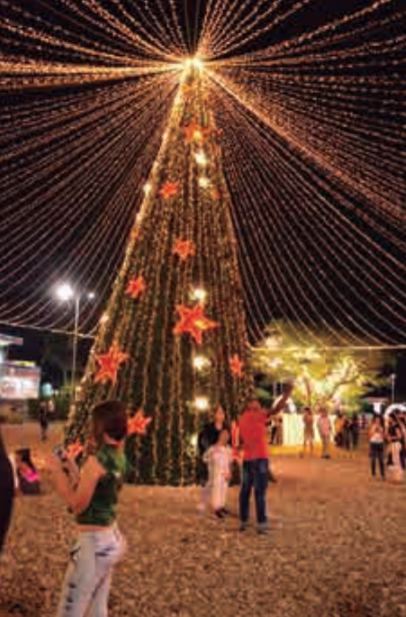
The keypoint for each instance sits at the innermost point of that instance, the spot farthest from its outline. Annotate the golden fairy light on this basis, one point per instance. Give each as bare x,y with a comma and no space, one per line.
311,135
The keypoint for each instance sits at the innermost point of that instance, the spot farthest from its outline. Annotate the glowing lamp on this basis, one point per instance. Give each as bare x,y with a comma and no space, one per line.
104,318
65,292
201,403
199,362
193,441
197,63
204,183
147,189
200,294
201,159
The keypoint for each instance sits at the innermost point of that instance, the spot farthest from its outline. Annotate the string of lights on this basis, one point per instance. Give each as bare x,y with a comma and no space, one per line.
310,111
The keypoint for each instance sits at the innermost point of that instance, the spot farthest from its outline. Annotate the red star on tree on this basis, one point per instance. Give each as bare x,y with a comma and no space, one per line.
184,249
109,363
194,322
236,366
169,189
136,287
194,131
138,424
190,131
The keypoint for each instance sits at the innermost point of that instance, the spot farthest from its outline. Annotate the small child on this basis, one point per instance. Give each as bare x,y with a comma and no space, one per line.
219,459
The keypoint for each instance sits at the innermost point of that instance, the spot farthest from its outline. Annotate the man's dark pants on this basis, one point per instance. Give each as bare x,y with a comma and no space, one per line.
255,476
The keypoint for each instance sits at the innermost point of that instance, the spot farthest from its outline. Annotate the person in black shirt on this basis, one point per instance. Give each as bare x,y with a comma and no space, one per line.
6,492
209,436
395,446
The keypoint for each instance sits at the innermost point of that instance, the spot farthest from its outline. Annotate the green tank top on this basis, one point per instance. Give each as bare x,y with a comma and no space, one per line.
102,509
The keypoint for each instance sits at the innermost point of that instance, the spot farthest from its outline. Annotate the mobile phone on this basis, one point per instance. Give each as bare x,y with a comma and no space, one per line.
59,452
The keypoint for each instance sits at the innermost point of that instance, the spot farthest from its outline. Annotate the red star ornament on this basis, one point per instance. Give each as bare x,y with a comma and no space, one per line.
184,249
109,363
136,287
194,322
169,189
236,366
190,131
138,424
194,131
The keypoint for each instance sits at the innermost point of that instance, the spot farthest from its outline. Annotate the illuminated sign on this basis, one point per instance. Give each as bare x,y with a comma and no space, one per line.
19,381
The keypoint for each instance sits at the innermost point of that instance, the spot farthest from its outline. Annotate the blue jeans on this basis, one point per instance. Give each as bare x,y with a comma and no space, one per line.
255,476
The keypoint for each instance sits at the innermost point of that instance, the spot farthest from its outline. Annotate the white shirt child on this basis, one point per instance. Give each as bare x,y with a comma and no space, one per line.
219,459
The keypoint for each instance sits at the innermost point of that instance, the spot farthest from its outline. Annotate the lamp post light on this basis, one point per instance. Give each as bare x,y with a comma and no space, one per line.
65,293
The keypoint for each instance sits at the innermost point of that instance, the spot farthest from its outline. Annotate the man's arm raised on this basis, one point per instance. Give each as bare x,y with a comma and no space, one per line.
280,402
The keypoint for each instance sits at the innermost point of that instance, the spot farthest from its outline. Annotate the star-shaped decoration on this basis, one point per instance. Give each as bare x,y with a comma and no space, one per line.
195,132
193,321
136,287
184,249
236,366
109,363
190,130
169,189
74,450
138,424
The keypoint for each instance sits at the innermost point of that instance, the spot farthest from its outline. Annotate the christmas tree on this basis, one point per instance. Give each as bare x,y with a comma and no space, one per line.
172,341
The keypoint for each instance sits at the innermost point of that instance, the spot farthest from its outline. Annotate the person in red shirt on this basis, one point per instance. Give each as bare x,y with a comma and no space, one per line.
255,473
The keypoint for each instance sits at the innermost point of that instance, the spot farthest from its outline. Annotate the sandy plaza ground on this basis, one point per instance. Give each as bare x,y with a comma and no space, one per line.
337,547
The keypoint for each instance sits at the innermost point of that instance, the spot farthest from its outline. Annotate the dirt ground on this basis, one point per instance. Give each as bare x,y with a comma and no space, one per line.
337,548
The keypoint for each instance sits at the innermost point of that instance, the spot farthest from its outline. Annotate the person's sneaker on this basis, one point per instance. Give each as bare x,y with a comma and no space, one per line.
219,514
226,512
263,530
243,526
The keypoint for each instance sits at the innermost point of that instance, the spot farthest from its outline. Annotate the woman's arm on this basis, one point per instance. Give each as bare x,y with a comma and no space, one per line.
78,499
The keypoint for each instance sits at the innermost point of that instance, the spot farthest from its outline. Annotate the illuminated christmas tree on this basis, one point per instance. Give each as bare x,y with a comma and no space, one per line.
172,340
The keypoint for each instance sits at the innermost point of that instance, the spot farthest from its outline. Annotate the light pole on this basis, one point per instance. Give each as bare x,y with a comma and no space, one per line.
66,293
393,383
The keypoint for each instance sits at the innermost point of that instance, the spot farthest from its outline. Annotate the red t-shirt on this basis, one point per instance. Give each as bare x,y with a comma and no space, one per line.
253,434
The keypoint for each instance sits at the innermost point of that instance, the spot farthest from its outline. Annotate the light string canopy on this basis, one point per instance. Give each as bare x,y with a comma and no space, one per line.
309,106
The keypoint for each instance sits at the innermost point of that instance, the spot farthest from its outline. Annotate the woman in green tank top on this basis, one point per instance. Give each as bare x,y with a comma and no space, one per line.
92,495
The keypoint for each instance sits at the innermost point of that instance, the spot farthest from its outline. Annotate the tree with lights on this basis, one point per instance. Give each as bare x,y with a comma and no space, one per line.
325,374
172,341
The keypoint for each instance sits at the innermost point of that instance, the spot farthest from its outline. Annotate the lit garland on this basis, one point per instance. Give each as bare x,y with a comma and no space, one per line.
311,139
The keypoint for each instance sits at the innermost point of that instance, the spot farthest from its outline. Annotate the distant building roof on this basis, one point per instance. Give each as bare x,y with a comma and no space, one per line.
6,340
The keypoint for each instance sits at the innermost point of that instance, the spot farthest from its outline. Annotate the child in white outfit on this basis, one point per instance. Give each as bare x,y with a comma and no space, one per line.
219,459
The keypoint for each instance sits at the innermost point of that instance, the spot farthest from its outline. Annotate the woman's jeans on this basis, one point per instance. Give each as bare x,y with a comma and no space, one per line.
255,476
87,582
377,452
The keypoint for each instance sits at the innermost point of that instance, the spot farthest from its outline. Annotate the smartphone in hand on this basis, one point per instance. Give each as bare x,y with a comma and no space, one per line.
60,453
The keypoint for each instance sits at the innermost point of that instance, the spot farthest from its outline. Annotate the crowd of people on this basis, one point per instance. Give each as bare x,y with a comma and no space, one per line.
92,491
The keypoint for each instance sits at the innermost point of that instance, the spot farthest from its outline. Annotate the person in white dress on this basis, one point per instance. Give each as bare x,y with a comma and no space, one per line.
219,459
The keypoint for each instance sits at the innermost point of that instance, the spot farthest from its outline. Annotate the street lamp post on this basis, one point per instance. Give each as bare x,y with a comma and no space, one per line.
393,384
65,294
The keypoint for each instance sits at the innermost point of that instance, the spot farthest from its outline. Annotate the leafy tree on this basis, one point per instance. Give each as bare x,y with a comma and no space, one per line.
326,374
